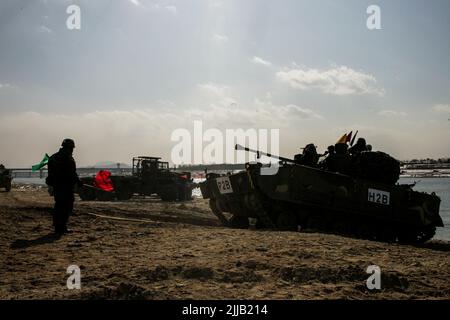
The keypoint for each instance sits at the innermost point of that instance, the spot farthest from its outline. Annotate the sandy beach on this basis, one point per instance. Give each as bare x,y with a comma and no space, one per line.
148,249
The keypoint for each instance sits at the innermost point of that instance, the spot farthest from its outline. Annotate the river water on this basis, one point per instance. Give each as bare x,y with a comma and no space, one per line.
442,188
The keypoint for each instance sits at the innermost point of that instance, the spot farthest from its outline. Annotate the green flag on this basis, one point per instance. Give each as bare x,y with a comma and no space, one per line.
41,164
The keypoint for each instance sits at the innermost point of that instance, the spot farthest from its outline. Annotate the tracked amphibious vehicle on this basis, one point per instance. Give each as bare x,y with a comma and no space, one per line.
368,203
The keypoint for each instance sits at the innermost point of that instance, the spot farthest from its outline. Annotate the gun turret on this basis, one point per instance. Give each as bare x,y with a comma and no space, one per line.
259,153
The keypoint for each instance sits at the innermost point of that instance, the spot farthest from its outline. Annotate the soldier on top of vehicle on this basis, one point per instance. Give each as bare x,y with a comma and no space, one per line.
330,153
359,147
341,160
309,156
330,150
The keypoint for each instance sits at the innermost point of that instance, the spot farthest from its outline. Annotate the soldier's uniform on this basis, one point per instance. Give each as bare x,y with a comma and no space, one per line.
341,160
327,163
309,157
298,158
62,176
359,147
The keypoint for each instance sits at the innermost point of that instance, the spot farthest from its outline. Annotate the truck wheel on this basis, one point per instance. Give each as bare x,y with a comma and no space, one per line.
184,194
168,194
105,195
187,194
86,194
8,187
124,195
122,191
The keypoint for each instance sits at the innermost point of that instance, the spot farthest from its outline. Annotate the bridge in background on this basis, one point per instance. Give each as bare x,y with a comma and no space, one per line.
82,172
219,168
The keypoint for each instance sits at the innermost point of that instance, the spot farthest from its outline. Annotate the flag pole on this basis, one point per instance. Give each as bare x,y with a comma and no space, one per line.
353,139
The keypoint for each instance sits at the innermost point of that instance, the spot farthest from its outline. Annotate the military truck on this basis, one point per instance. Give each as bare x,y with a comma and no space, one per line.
149,176
5,178
299,197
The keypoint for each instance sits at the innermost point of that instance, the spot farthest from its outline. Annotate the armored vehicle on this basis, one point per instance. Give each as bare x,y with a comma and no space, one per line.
5,178
299,197
149,176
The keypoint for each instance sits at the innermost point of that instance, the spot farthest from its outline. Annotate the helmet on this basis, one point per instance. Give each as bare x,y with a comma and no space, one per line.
361,141
310,148
68,143
341,148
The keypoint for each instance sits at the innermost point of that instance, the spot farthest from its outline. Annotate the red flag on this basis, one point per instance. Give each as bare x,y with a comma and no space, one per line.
103,181
349,137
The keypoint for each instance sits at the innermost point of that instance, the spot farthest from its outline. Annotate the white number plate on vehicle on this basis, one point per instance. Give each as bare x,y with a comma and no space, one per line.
224,185
379,196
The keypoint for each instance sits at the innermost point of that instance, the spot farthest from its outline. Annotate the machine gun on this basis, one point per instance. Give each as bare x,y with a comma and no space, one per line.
259,153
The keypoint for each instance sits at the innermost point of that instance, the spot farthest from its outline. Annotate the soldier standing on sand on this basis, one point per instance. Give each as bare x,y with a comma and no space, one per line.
62,176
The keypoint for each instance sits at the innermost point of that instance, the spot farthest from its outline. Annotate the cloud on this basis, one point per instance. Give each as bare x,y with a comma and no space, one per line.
156,7
171,9
339,81
391,113
5,85
215,4
441,108
220,108
220,38
300,112
44,29
286,112
259,60
130,132
135,2
228,113
213,88
28,135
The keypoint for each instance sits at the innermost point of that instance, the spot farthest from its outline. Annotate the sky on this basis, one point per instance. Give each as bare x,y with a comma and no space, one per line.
137,70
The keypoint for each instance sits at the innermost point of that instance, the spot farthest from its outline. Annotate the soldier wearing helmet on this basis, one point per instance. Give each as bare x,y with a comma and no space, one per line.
309,156
359,147
62,177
